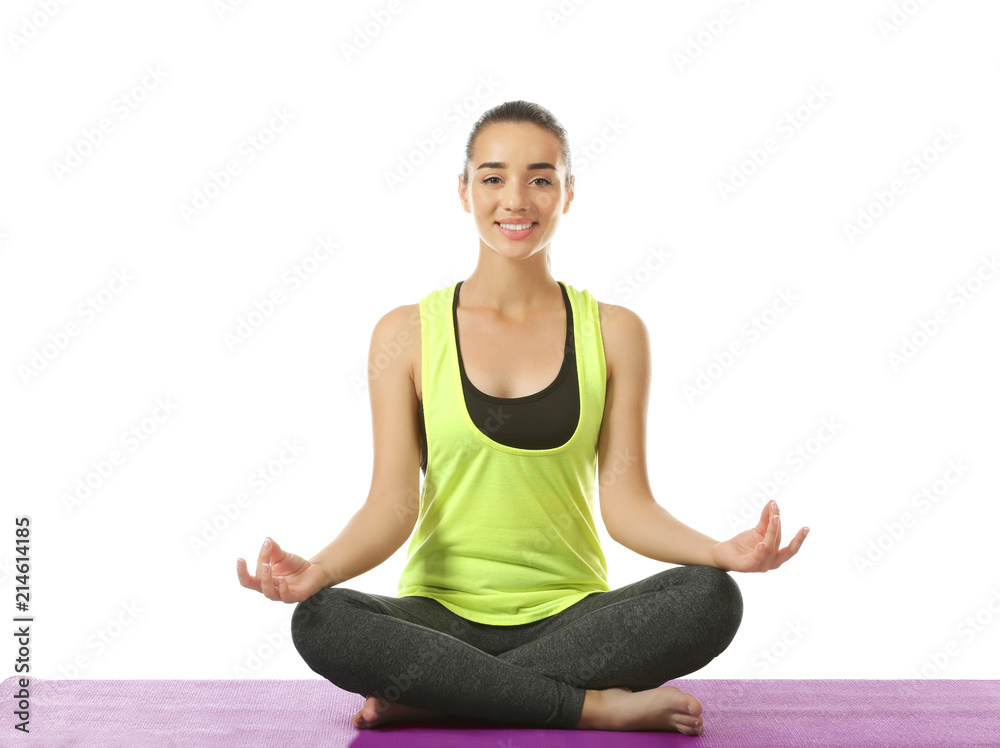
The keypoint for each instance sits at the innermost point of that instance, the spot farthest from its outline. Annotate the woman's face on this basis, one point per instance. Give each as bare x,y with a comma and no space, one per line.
517,179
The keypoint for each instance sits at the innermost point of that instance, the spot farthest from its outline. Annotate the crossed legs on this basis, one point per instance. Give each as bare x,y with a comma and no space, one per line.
413,651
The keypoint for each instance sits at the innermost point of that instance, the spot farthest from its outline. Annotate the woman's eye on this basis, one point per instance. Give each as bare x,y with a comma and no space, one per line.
536,179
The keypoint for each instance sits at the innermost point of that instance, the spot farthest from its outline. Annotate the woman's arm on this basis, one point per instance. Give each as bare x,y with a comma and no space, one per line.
386,519
652,531
631,514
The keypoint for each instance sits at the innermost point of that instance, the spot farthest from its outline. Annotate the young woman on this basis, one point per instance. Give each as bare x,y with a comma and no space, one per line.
510,390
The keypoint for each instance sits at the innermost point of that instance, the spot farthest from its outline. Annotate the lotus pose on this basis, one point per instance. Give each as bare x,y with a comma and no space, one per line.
513,393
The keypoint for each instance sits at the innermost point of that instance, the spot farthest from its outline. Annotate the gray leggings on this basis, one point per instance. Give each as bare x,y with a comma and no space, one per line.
414,651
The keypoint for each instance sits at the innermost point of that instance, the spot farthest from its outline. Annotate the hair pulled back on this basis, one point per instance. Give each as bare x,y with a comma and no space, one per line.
518,111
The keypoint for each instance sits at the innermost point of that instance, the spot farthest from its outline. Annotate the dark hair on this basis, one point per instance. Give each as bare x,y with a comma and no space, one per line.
518,111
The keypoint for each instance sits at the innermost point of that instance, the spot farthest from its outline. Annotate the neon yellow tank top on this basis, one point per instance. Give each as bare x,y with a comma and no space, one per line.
504,535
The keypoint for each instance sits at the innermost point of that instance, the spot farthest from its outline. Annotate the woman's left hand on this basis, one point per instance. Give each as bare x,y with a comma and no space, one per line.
756,549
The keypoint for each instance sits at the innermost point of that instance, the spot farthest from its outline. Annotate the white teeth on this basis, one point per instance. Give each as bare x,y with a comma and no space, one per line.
516,226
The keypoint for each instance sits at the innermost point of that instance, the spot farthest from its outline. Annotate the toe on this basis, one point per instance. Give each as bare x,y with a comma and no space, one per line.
692,729
686,720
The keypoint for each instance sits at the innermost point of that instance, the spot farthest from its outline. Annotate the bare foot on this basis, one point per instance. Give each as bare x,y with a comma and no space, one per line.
378,711
666,708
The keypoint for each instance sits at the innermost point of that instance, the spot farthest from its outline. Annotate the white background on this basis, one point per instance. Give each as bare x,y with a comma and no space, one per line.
894,76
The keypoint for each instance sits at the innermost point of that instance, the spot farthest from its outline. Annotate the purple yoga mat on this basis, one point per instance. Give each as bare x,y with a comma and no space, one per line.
738,714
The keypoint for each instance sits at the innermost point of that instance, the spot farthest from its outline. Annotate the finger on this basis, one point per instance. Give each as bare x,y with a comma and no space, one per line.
759,554
267,584
276,553
792,548
246,580
766,554
769,535
281,585
264,556
776,521
765,518
275,557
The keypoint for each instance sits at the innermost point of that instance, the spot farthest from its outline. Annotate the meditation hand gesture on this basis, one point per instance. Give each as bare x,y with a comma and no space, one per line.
756,549
282,575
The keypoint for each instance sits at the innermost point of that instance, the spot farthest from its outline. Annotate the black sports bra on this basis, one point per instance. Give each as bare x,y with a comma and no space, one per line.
544,420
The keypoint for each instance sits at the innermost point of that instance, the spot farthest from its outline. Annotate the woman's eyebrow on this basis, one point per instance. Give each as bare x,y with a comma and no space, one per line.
503,165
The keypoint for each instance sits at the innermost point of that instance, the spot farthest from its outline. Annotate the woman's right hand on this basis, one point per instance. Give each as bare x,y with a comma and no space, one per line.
282,575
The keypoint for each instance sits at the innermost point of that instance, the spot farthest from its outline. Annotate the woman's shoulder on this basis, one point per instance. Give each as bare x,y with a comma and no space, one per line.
625,336
405,318
621,320
397,329
398,314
